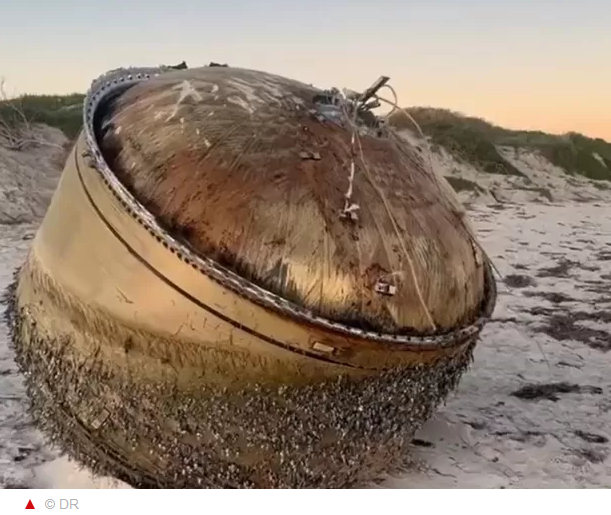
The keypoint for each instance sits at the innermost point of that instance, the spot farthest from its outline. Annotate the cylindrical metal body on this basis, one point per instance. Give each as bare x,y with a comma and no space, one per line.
230,354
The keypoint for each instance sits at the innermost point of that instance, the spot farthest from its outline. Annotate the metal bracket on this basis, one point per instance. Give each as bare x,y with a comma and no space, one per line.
385,288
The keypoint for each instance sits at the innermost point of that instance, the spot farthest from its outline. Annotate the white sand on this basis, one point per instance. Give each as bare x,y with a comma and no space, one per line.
484,437
28,178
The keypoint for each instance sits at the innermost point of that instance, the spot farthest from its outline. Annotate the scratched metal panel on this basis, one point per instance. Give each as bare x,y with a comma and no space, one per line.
243,168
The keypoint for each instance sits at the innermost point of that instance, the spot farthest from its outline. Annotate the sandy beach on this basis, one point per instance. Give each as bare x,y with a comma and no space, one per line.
534,409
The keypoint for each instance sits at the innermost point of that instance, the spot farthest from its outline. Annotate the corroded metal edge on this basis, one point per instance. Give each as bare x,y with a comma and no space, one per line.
113,82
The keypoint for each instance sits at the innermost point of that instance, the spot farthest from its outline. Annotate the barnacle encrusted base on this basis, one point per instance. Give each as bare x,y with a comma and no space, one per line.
341,433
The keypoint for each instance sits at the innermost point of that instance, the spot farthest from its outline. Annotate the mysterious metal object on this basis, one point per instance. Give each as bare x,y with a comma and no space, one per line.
196,314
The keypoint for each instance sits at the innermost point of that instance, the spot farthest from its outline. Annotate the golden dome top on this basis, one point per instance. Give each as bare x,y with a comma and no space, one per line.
252,170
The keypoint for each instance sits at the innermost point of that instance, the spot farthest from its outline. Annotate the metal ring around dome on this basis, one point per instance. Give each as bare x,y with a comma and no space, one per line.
112,83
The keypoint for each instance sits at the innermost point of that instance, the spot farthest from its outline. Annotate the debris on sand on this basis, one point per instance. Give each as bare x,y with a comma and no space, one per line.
552,391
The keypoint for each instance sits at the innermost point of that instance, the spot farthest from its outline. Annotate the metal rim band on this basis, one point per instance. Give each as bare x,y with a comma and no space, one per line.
116,80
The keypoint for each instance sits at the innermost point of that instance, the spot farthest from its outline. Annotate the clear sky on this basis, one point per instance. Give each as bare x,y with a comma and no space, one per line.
520,63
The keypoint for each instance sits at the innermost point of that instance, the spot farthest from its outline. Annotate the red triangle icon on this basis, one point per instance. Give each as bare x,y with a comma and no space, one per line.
30,506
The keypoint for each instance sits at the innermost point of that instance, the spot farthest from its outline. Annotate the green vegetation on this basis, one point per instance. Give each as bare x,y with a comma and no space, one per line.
476,141
63,112
468,139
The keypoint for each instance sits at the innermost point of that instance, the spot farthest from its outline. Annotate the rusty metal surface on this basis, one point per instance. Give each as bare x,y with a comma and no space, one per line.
91,260
239,194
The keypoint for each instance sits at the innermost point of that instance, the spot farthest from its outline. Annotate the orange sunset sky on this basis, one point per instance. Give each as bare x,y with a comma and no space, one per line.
528,64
